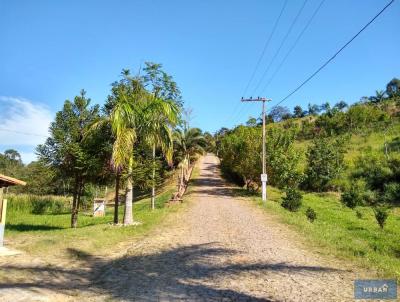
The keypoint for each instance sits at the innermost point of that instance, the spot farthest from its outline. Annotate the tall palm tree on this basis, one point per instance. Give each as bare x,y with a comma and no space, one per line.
126,114
159,116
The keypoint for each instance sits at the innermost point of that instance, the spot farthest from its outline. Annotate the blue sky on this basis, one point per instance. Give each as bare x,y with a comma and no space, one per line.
51,49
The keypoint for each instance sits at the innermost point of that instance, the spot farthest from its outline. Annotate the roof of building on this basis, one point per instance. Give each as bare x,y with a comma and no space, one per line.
6,181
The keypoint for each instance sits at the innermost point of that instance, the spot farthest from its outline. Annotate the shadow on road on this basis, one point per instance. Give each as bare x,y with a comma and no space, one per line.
171,274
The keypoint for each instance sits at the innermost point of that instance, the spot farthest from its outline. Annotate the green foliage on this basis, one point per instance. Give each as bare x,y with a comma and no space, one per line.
37,204
381,214
381,175
325,161
311,214
240,151
293,199
354,196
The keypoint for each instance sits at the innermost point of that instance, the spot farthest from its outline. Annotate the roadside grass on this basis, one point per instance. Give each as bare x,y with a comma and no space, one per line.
339,232
51,235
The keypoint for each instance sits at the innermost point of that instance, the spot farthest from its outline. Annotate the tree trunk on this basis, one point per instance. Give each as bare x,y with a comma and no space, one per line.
75,203
153,189
116,204
128,216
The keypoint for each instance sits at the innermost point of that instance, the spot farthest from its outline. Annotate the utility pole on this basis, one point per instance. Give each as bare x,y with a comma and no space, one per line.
264,177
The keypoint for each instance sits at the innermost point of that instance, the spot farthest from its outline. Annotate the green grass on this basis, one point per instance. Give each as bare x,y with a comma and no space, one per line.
338,231
50,234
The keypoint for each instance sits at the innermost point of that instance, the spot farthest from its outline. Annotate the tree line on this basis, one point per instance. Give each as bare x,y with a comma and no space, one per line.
133,141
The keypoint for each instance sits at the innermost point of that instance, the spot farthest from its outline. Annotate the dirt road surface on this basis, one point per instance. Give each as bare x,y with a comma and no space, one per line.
220,248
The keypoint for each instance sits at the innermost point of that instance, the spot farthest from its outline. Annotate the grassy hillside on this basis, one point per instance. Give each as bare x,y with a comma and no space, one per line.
338,231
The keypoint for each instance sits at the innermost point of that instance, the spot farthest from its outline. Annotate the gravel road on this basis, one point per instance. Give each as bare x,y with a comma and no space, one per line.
220,248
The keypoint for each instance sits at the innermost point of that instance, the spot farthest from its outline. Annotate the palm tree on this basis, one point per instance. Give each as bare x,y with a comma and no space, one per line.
188,142
378,97
159,116
125,116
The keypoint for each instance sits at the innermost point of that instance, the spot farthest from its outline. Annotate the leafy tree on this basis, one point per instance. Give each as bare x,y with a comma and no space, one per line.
325,161
326,107
393,88
298,112
313,109
13,155
340,105
278,113
251,122
67,151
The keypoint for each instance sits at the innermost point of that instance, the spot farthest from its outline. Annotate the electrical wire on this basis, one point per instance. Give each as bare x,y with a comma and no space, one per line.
293,46
266,45
334,56
280,46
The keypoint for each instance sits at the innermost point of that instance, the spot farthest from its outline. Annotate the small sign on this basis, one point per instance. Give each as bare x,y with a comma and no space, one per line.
264,178
375,289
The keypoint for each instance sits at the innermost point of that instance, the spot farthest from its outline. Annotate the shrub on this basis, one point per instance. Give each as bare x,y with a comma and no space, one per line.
359,214
392,193
355,195
311,214
381,214
293,199
325,161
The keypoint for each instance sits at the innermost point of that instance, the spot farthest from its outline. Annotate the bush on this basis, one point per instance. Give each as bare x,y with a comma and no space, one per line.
381,214
311,214
325,161
293,199
359,214
355,195
392,193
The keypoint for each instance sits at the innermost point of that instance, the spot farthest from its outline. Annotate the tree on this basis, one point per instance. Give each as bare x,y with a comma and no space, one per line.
251,122
159,117
378,97
325,160
340,105
278,112
188,142
161,114
326,107
68,152
313,109
393,88
13,155
298,112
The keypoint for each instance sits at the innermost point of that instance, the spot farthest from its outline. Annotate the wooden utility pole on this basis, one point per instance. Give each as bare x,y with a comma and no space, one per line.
264,177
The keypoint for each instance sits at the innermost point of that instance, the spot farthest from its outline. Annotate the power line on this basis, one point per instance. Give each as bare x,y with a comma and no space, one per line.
266,45
276,53
281,45
294,45
334,56
21,132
